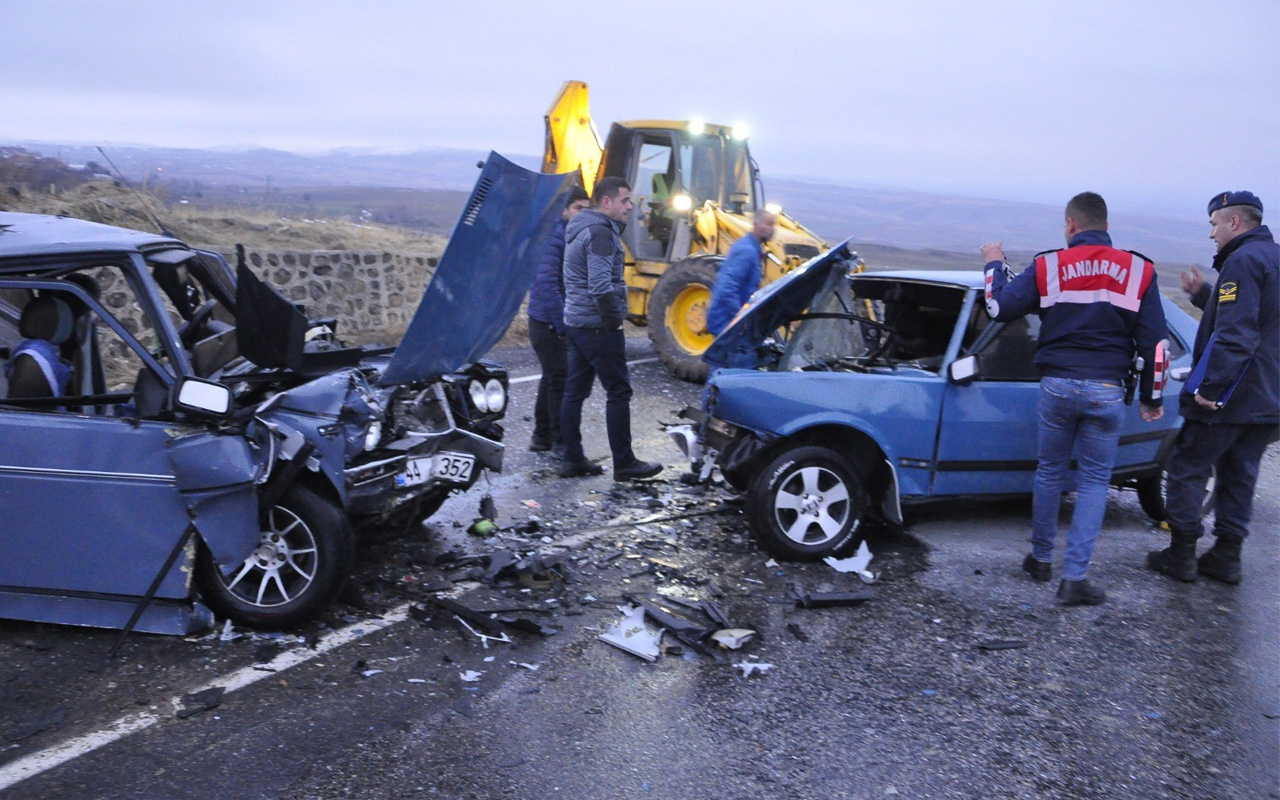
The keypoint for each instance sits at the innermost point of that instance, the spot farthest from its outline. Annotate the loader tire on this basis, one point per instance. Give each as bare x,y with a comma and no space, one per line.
678,316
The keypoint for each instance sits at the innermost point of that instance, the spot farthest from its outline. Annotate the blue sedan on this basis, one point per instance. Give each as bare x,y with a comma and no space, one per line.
841,395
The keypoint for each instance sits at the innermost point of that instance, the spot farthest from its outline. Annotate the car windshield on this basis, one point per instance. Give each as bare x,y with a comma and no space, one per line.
857,322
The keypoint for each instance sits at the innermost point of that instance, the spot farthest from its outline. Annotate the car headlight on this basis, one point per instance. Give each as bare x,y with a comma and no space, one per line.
479,397
495,394
373,435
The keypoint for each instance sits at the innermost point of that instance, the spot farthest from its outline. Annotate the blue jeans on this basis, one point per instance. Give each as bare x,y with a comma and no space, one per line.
597,352
1084,416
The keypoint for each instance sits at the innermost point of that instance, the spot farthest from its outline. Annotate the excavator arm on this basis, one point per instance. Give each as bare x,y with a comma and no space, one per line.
572,140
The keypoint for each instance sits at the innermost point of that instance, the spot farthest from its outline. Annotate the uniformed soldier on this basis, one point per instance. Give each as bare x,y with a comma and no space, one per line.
1231,401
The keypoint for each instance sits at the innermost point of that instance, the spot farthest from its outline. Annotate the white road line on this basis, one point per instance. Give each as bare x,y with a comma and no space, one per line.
528,378
51,757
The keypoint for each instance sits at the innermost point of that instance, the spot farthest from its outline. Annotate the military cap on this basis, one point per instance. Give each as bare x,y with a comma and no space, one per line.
1224,199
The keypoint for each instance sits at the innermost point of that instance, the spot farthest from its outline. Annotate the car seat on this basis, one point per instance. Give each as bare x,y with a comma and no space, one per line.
35,367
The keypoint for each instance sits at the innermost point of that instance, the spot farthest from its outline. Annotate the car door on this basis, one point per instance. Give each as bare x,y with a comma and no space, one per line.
987,439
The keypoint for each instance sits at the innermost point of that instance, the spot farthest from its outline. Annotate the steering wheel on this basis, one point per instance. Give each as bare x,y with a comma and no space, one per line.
189,331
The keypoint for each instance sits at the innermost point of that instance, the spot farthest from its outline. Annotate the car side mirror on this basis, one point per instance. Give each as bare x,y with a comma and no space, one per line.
1180,374
964,370
206,398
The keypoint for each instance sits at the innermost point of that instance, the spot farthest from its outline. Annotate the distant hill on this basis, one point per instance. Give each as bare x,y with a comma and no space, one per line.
425,189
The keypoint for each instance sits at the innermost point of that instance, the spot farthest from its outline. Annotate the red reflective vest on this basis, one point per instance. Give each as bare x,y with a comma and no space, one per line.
1093,273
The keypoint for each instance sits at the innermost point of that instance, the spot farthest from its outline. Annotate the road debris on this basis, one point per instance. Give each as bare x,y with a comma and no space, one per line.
856,563
749,667
733,638
199,702
832,599
1001,644
470,676
632,635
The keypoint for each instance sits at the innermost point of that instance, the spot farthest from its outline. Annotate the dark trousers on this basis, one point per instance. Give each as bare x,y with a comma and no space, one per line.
597,352
1235,451
552,350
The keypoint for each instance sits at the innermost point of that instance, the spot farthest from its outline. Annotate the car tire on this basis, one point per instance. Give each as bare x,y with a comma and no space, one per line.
806,504
403,520
1151,495
299,565
677,316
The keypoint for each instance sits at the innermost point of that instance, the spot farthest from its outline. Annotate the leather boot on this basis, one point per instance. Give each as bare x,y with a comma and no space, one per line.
1222,562
1178,560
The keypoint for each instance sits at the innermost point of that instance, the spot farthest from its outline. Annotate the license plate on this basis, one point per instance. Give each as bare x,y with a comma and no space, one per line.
449,467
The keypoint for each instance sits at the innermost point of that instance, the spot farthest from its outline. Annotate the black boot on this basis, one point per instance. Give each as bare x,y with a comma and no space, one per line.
1080,593
1178,560
1222,562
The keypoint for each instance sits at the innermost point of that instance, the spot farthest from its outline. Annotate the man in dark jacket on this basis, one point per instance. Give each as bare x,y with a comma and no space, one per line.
595,306
546,330
1097,306
1231,401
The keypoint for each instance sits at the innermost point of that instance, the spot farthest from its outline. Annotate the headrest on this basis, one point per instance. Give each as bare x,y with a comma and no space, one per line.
47,318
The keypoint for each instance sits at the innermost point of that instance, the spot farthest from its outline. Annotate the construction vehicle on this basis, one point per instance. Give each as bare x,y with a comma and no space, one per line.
696,190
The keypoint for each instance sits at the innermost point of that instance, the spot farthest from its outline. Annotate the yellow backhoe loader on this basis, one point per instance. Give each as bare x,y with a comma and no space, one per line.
696,191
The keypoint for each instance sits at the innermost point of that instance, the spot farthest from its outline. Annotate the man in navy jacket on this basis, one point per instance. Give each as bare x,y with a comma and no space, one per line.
1231,404
740,274
1097,306
546,330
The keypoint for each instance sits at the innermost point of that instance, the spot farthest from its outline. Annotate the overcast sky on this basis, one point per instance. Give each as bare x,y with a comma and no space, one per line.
1157,105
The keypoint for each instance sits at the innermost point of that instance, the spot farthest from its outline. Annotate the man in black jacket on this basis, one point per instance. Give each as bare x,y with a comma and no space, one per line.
1231,402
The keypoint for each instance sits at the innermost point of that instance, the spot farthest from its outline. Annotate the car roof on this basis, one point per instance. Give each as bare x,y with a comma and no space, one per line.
40,234
972,279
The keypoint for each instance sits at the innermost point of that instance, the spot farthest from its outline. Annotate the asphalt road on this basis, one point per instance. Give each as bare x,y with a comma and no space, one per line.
1168,690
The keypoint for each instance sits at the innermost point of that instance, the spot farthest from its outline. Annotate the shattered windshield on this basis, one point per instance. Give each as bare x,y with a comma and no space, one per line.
857,322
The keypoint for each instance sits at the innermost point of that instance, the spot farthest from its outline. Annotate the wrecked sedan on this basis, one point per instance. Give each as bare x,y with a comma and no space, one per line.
175,436
842,397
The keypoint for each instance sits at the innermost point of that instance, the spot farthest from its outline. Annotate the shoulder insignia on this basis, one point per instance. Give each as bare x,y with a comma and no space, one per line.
1227,292
1141,256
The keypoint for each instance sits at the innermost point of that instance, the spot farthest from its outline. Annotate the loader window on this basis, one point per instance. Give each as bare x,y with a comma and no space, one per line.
700,159
656,180
740,174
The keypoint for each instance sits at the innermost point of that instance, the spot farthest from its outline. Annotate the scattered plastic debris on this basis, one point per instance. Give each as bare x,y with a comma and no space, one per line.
470,676
733,638
488,509
417,680
832,599
482,527
632,635
1001,644
229,633
369,673
199,702
748,667
856,563
530,667
531,504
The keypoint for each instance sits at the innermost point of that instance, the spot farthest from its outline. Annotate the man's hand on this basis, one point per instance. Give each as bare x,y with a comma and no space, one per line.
1192,279
1150,413
1203,403
992,251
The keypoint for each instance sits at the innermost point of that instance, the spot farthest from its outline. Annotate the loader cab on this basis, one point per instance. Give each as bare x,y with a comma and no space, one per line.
672,171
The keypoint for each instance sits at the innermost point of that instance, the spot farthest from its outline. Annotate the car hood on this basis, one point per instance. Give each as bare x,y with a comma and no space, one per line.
738,345
485,271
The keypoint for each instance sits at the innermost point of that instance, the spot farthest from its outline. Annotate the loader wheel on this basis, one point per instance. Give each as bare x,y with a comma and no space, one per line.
678,317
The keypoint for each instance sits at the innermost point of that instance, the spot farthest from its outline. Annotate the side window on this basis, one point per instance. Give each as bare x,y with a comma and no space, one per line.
1009,356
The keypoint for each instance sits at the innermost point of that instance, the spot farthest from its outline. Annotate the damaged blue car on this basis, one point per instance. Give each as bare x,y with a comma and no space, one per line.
177,438
842,396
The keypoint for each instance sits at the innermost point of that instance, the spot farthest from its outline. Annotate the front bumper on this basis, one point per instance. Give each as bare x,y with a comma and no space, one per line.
371,485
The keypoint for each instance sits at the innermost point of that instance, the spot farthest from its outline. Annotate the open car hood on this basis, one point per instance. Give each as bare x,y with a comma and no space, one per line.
738,345
485,271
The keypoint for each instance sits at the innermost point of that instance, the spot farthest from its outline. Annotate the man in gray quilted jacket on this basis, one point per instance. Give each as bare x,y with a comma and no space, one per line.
595,306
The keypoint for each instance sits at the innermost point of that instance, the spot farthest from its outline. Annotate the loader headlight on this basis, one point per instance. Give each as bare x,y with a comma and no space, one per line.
697,126
681,202
373,435
740,130
773,208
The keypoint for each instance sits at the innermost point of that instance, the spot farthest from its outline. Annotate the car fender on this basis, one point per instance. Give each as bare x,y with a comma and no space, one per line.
217,476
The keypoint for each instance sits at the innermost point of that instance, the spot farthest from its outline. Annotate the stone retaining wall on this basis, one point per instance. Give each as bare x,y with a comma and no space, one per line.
367,292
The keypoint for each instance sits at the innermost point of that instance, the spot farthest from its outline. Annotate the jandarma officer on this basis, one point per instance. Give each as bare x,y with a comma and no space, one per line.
1231,401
